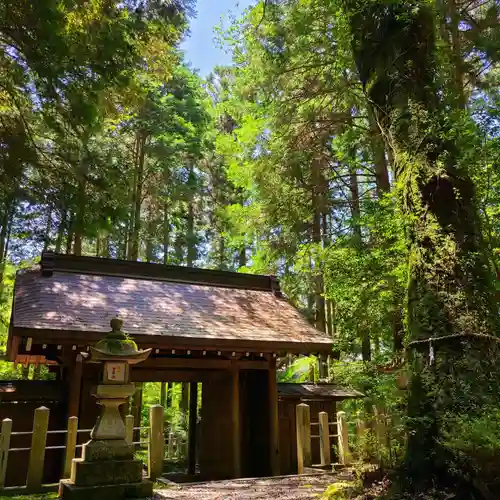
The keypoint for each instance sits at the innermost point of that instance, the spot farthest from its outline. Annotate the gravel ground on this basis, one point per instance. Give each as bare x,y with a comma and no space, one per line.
282,488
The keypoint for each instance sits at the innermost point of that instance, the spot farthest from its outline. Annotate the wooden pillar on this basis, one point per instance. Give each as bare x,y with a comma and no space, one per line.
71,438
136,408
235,420
156,441
193,418
343,437
163,394
303,424
324,438
169,389
4,449
37,452
273,419
75,387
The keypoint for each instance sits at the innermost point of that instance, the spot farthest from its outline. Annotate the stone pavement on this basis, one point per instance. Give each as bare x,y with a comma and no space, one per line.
279,488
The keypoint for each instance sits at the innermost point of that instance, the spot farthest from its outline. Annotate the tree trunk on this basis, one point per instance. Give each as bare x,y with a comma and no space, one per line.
60,231
357,241
456,49
79,224
379,158
222,252
106,246
4,242
242,257
190,233
355,207
151,233
166,233
137,195
48,229
318,206
69,239
166,221
6,223
455,374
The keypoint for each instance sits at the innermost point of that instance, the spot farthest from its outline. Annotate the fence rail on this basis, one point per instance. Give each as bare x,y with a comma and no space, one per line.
155,443
342,438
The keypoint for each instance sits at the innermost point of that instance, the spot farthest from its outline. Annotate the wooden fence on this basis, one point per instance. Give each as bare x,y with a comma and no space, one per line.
151,437
341,436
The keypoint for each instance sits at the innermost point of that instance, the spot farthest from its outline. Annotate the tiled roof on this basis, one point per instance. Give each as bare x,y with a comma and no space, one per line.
316,391
71,301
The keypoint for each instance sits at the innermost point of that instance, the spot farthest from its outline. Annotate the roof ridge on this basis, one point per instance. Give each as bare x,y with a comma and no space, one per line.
54,262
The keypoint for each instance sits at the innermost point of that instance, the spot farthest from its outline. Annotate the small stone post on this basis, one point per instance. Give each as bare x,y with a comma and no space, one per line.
380,431
361,432
170,449
156,442
324,439
4,448
70,445
343,437
129,429
303,423
37,453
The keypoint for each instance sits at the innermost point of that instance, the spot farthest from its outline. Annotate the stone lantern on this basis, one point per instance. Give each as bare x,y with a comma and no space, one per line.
107,468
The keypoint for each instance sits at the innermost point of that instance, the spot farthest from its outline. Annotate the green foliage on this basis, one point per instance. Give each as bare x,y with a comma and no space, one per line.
351,149
341,490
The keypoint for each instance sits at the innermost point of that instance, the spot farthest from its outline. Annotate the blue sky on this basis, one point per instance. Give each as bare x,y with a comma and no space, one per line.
200,47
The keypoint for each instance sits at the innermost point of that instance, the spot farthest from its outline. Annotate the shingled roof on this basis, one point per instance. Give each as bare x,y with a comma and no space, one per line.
163,304
316,391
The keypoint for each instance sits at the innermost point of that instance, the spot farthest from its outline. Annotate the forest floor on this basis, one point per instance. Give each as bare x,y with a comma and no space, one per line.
281,488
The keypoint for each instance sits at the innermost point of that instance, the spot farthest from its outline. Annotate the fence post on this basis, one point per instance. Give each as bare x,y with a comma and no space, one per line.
37,453
324,439
303,423
361,433
379,431
129,429
343,437
170,449
70,445
4,448
156,441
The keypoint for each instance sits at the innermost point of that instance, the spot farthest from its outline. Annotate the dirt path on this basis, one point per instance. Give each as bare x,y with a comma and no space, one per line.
282,488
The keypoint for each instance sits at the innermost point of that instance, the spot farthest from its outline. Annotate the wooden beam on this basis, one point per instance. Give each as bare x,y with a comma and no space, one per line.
75,386
187,363
49,336
272,389
165,375
203,363
193,419
235,420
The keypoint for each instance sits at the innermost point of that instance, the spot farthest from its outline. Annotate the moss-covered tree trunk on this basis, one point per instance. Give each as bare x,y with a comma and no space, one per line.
452,314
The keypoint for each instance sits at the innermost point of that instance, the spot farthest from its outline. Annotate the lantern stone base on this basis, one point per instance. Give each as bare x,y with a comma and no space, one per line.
106,470
106,479
107,449
109,472
69,491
